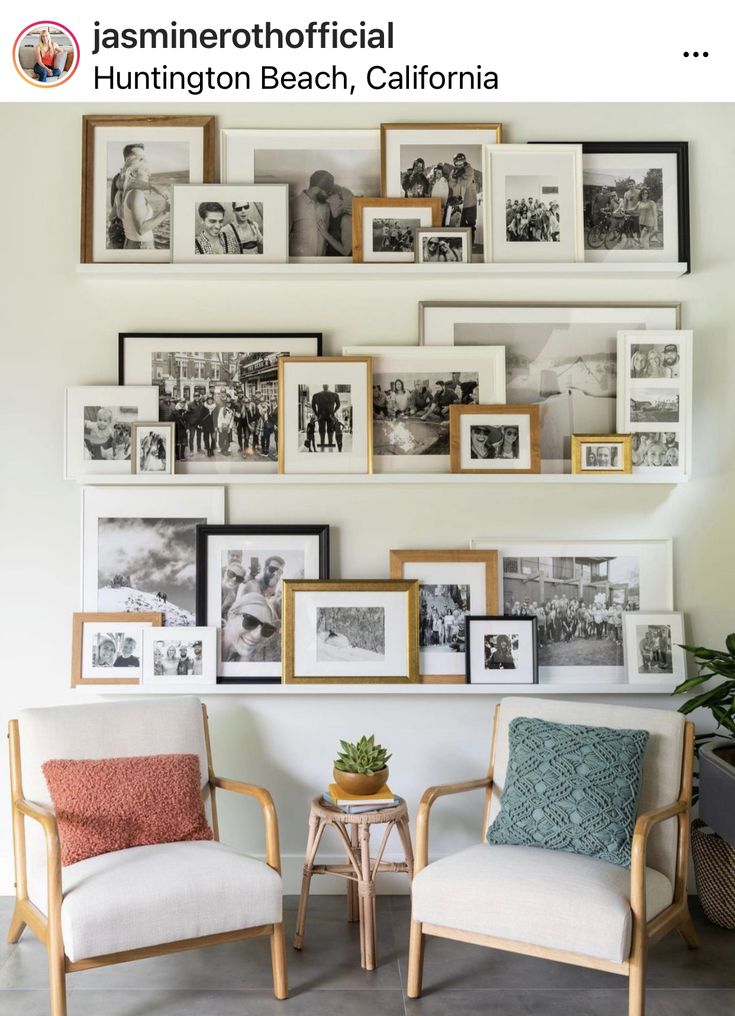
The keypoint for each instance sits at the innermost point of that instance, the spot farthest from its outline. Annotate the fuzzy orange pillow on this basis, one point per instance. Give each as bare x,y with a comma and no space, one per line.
109,804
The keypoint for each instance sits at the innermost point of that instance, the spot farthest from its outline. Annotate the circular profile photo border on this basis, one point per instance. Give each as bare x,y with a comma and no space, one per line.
22,35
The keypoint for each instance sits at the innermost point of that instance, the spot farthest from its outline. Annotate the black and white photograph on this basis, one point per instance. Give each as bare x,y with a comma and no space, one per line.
653,648
179,655
654,405
446,245
532,212
442,609
392,235
140,179
324,170
114,649
501,650
411,412
624,208
601,456
499,439
656,449
385,229
325,418
350,633
107,432
233,228
107,648
153,448
99,422
230,224
657,360
488,442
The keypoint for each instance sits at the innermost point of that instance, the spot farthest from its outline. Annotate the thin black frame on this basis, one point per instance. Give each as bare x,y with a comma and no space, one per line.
493,617
678,148
236,529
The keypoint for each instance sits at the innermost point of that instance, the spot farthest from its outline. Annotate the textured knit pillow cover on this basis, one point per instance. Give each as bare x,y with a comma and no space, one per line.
113,803
571,787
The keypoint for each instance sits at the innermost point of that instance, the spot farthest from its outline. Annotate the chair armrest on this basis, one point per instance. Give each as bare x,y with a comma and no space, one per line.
47,820
272,846
40,814
427,801
644,825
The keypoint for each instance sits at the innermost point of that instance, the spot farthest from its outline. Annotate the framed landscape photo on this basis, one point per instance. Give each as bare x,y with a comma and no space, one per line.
139,548
655,400
350,632
324,412
240,575
653,650
179,656
108,648
324,170
98,427
443,245
442,160
130,164
413,391
605,454
452,583
153,448
495,439
219,388
580,592
229,224
385,229
533,206
501,650
562,356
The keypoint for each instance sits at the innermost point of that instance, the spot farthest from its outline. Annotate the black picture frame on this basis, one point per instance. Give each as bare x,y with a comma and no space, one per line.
469,618
203,535
678,148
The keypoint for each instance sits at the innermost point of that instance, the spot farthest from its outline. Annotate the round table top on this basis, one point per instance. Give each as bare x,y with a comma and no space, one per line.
332,814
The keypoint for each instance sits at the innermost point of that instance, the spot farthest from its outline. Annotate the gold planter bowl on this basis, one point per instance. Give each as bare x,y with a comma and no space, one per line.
359,783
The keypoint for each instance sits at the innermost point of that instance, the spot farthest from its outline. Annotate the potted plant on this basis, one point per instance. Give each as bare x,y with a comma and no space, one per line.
714,851
361,768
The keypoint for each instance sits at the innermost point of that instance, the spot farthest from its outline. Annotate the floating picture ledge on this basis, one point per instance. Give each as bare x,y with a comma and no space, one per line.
378,479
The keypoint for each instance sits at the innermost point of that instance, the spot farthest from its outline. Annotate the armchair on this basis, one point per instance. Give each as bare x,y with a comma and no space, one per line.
557,905
143,901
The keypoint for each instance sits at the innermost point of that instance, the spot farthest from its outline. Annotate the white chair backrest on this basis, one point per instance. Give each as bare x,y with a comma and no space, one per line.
661,764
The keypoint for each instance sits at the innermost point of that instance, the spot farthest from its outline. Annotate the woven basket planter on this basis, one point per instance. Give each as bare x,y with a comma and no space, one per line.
714,867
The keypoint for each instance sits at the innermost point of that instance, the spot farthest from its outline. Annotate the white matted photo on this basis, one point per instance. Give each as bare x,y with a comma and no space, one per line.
501,650
98,427
173,656
533,211
580,593
443,245
413,390
153,448
653,648
494,439
324,171
385,230
229,224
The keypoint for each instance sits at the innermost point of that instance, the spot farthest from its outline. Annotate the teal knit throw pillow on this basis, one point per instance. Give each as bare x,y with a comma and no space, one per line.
570,787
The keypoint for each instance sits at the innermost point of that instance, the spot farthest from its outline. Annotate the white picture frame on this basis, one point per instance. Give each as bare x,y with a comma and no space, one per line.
266,225
167,652
653,652
487,362
100,444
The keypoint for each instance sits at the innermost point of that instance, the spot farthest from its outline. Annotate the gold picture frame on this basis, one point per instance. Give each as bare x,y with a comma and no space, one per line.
534,438
360,205
135,465
291,588
623,441
489,558
79,620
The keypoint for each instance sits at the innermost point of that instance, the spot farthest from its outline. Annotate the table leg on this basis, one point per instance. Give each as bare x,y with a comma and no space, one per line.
311,849
366,889
353,907
404,833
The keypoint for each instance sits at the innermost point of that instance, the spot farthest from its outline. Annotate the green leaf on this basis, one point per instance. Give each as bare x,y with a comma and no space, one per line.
730,643
691,682
708,698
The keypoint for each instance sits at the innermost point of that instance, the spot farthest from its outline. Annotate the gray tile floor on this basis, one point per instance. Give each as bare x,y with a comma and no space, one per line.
325,978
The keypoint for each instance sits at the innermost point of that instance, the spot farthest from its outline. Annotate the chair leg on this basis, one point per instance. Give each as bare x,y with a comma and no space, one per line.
17,927
57,981
415,961
278,961
637,984
688,933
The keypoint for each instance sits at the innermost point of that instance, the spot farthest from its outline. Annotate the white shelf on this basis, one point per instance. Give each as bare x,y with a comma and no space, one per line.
576,688
294,272
373,479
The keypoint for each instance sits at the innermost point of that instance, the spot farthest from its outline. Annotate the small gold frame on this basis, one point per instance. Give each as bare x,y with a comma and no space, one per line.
624,441
77,643
360,204
455,448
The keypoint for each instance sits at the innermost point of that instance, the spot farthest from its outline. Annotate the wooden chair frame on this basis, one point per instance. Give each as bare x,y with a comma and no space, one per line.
47,928
645,933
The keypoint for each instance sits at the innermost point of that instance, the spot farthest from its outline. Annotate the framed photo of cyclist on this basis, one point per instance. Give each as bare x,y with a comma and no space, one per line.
240,573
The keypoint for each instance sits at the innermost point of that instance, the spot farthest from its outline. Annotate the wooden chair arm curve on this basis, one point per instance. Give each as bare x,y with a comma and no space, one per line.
263,797
428,799
39,813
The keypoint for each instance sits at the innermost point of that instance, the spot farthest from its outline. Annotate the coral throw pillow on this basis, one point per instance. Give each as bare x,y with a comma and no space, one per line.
110,804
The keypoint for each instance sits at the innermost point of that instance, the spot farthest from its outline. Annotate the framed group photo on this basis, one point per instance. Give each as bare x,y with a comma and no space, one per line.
386,229
653,648
179,656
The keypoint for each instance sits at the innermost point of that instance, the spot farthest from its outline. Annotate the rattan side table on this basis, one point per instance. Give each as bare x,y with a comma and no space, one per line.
361,868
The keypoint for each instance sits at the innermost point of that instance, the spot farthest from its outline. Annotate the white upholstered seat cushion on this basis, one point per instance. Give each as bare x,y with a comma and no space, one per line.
144,896
540,897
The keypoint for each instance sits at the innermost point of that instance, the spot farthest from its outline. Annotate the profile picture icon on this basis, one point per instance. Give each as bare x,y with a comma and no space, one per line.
46,54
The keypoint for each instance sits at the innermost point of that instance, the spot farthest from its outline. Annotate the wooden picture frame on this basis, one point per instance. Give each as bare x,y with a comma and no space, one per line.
402,561
170,460
624,442
530,453
79,620
361,205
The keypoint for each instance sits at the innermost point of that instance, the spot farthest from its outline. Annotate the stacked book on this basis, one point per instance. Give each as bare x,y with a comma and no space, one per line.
354,804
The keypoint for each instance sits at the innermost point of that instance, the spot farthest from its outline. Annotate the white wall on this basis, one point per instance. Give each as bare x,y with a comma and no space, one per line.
61,329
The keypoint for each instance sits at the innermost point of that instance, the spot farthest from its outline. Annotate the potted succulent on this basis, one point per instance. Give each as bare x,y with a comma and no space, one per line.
714,851
361,768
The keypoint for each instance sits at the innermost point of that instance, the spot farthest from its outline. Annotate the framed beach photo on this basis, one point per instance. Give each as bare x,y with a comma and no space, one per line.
452,583
597,454
108,648
229,224
220,389
385,229
153,448
564,357
179,656
653,650
98,428
413,391
240,575
501,650
324,412
443,245
442,160
533,206
324,170
350,632
139,548
130,164
580,592
494,439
